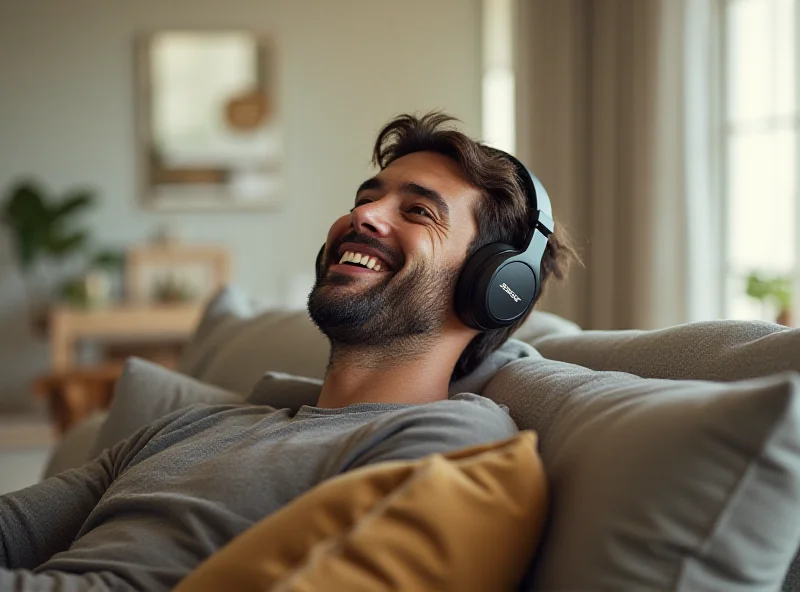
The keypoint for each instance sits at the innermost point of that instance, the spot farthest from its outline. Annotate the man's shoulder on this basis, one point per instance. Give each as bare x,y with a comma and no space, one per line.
199,417
467,405
439,427
209,413
465,416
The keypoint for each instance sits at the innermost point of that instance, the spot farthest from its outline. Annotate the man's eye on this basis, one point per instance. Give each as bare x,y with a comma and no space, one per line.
420,211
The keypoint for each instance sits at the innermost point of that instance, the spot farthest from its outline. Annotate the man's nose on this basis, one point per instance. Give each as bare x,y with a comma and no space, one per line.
372,218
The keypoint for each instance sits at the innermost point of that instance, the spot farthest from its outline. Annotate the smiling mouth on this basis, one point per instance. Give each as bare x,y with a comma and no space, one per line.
360,260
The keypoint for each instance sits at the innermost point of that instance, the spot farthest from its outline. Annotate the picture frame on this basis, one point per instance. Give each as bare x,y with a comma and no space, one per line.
208,122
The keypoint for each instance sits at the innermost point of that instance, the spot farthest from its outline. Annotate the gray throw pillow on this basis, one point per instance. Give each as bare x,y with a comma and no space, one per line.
234,345
659,484
712,350
220,314
285,391
146,391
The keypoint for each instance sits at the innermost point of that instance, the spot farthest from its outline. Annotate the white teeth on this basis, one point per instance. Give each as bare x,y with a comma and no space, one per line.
365,260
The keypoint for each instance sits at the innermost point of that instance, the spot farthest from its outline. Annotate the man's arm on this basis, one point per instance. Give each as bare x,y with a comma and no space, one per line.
43,519
446,426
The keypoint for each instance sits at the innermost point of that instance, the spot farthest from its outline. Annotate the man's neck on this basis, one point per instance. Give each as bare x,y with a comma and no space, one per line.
372,375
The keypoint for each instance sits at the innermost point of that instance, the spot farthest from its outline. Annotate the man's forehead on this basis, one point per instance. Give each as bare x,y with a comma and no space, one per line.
433,170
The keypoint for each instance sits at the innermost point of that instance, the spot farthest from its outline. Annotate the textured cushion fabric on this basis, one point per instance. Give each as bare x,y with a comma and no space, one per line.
541,324
464,521
714,350
234,345
476,381
77,445
146,391
223,310
659,484
285,391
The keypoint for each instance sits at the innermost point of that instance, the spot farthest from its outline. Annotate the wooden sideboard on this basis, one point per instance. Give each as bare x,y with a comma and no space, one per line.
72,391
131,323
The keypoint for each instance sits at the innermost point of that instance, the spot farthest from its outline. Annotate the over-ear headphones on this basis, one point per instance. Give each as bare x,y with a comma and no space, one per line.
499,283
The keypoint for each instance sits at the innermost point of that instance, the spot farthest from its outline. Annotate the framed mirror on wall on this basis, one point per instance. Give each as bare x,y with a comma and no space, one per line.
208,123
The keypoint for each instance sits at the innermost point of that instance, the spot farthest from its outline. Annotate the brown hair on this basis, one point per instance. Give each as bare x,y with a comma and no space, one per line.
502,216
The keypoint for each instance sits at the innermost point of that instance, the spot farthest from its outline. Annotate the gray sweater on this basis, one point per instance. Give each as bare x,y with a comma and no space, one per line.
146,512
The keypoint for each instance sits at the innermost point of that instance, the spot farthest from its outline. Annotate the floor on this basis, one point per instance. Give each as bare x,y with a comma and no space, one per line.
25,445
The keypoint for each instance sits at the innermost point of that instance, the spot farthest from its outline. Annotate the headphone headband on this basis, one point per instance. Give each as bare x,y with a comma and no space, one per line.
535,193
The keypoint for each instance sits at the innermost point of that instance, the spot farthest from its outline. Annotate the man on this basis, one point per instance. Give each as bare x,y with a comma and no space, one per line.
149,510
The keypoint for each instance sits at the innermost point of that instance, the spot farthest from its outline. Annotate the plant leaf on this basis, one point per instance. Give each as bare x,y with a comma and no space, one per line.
26,251
61,245
25,206
72,203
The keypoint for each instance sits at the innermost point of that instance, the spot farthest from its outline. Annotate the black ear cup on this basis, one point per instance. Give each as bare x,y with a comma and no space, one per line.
318,264
465,287
495,288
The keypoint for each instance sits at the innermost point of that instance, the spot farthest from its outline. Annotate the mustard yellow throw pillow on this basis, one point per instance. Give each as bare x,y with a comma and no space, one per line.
468,520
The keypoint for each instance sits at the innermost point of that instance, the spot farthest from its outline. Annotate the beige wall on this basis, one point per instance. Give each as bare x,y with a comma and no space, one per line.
346,66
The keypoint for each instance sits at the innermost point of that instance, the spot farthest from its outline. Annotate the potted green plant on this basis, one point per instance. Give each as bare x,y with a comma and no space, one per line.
43,228
776,290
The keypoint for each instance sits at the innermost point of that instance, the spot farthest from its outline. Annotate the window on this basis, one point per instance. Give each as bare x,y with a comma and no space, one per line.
760,138
498,119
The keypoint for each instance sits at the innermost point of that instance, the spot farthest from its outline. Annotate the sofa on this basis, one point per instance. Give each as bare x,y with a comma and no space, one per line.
672,456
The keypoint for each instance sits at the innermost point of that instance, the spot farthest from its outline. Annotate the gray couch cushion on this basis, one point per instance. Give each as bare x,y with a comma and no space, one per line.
146,391
657,484
713,350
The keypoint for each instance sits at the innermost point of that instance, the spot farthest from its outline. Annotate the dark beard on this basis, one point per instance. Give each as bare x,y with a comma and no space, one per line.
399,316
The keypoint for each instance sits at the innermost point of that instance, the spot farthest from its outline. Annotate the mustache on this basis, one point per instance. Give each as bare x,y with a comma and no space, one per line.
394,258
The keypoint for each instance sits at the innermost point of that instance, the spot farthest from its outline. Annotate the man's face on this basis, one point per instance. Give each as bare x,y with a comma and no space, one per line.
409,231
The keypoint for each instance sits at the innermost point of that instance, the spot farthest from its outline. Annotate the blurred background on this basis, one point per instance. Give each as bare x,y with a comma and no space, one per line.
152,151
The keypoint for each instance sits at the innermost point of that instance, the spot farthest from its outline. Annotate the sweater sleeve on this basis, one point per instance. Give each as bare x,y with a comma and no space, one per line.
39,521
43,519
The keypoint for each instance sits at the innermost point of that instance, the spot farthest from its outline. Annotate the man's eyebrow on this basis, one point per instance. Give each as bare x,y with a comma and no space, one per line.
373,183
428,193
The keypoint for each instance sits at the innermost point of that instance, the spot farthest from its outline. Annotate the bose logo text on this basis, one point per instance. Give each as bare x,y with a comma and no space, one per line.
510,292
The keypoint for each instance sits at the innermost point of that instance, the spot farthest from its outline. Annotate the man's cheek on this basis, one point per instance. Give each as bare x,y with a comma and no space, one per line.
339,228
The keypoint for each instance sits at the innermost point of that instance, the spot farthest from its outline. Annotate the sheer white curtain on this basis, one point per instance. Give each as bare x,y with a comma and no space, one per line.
613,114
